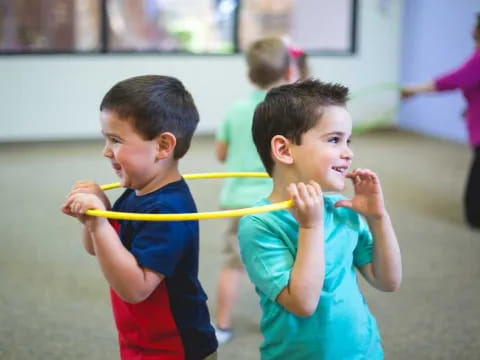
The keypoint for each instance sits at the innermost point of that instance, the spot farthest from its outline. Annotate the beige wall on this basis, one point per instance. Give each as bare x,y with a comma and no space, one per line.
57,96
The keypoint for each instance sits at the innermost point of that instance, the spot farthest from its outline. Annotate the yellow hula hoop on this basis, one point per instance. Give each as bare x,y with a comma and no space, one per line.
193,216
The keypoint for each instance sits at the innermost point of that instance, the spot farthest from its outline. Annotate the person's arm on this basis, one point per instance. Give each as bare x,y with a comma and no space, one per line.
87,187
465,76
412,90
87,241
302,294
130,281
221,150
385,271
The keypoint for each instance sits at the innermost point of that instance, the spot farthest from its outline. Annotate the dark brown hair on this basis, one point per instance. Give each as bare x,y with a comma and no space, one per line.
291,110
155,104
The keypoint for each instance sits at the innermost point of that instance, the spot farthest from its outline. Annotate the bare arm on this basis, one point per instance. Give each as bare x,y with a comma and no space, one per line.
87,241
221,150
133,283
385,272
302,294
412,90
463,77
87,187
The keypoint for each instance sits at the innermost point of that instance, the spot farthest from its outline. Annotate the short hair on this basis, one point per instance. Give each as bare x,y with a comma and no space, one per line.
268,60
291,110
155,104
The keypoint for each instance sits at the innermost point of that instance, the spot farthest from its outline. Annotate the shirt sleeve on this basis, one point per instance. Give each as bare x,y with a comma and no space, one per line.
159,245
363,253
266,257
222,133
466,76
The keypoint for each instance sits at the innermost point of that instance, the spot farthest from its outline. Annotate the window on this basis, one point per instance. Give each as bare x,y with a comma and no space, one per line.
312,25
195,26
49,25
179,26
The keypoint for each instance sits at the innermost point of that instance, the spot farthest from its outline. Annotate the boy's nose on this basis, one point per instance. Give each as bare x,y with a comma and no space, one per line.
347,153
107,152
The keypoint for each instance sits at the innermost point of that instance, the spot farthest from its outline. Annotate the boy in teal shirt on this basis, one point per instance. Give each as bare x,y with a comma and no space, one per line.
303,261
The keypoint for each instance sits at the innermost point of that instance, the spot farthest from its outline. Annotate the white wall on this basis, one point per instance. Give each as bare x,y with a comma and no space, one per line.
57,96
437,38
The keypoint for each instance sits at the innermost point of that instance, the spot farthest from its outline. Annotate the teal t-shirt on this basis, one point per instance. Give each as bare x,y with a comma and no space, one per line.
242,156
342,326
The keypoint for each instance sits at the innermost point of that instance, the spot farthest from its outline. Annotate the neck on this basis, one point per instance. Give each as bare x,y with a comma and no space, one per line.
167,174
280,185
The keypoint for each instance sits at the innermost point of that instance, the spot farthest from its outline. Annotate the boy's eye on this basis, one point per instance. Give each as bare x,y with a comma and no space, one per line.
114,140
334,139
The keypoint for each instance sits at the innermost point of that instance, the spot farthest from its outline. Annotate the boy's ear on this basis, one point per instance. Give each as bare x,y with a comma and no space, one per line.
280,147
166,142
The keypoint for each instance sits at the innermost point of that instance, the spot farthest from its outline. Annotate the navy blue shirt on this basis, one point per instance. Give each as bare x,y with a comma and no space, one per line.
174,320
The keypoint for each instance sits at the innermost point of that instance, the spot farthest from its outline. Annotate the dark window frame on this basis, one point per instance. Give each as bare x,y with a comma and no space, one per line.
104,41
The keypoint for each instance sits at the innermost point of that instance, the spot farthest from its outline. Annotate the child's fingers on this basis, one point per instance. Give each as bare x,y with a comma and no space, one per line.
80,207
354,177
86,189
68,202
293,192
369,177
66,210
372,176
87,186
80,190
78,203
80,184
306,192
363,176
312,193
84,183
74,206
304,195
316,186
299,194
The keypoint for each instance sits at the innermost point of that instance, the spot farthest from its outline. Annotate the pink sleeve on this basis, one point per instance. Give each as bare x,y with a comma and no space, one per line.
463,77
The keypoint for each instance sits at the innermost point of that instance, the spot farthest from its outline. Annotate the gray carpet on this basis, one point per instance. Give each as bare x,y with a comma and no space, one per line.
54,302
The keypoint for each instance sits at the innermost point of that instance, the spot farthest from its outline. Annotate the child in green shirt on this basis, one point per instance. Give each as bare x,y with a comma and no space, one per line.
303,261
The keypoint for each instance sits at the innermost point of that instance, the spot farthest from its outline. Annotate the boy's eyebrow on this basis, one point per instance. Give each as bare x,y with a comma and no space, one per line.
339,133
107,133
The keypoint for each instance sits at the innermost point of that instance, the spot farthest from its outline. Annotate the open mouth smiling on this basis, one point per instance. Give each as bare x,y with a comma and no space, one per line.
116,167
340,169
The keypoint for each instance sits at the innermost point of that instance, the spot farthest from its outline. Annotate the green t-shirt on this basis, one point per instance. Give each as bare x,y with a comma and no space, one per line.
342,326
242,156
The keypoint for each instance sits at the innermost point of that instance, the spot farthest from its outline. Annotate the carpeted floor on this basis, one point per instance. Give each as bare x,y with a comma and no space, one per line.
54,302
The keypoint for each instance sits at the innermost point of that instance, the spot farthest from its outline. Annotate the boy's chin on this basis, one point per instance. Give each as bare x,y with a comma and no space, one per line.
334,187
124,183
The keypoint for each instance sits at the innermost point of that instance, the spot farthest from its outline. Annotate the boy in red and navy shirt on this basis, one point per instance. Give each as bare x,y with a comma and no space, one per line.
152,267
